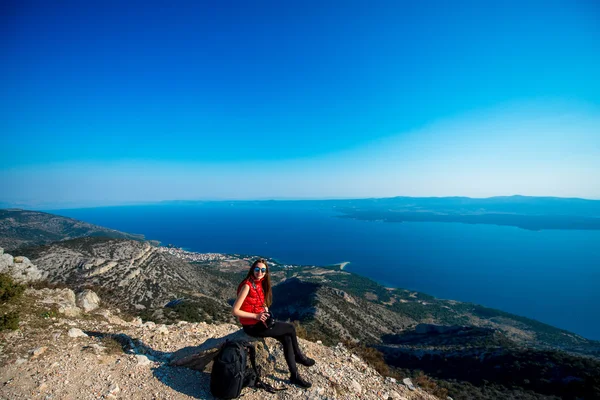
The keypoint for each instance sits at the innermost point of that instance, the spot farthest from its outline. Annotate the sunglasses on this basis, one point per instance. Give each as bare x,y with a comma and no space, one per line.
257,269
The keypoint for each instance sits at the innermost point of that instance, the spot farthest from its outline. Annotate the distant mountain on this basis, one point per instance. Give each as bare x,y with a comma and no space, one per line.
19,228
527,212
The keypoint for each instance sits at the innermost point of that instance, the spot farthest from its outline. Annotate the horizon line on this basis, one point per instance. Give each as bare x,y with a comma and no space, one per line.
55,206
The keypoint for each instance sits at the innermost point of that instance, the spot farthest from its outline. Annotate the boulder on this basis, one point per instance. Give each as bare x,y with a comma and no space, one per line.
63,299
19,268
76,332
6,261
88,300
199,358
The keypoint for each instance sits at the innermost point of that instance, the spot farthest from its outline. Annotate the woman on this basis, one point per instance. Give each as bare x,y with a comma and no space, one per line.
254,296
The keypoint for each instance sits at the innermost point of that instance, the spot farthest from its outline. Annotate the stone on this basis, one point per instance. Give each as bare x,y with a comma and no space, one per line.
70,311
142,360
149,325
38,351
88,300
76,332
356,386
112,392
408,384
19,268
395,396
20,361
162,329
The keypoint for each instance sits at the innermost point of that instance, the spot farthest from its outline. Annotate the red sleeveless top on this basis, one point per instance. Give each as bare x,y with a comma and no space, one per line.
254,302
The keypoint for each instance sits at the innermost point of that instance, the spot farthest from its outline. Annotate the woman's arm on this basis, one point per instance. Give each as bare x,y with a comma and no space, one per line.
238,303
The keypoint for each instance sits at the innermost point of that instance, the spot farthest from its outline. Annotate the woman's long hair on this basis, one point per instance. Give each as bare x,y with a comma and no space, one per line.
266,282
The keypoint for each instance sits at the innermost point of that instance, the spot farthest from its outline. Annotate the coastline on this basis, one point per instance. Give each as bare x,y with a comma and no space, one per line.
341,265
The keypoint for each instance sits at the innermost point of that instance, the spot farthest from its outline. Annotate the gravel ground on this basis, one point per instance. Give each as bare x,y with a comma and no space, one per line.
49,360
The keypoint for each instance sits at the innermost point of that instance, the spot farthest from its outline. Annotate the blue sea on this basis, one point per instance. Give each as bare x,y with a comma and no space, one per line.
552,276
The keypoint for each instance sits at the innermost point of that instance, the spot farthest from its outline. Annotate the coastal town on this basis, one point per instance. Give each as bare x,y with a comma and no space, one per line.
190,255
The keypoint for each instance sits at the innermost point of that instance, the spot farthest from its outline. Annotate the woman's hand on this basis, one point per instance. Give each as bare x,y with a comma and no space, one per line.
263,316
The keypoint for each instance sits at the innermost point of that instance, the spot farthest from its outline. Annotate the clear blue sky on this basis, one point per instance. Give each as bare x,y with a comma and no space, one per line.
107,103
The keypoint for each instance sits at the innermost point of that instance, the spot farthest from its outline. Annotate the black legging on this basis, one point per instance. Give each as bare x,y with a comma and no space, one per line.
283,332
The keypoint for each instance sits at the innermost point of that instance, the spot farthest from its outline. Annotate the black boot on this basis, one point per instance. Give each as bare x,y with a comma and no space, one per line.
306,361
298,381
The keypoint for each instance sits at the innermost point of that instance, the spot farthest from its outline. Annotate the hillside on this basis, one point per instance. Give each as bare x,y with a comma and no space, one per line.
104,353
19,228
134,275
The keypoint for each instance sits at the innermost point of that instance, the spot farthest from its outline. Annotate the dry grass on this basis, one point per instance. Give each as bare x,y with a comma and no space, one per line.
430,386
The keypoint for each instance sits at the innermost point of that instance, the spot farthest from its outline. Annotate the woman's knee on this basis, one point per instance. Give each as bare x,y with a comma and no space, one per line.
288,329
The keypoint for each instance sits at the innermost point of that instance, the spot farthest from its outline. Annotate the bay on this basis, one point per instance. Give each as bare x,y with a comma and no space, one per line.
552,276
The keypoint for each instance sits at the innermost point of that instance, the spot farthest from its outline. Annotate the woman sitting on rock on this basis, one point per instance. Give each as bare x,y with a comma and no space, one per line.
254,296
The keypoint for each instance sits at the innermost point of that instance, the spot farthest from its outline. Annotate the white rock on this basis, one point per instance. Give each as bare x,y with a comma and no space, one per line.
70,311
319,342
394,395
408,383
137,321
149,325
6,261
76,332
88,300
142,360
356,386
113,390
20,361
162,329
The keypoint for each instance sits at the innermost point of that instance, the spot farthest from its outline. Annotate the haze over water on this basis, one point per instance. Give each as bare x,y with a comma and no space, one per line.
548,275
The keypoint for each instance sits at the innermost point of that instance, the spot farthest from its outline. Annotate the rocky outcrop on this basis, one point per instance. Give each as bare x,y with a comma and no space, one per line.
90,358
19,268
134,273
88,300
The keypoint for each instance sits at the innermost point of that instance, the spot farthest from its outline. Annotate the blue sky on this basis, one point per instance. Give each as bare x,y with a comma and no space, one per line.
108,103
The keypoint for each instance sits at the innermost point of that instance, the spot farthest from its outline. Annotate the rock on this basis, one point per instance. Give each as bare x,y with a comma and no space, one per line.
356,386
319,342
38,351
19,268
96,348
76,332
137,321
149,325
395,396
88,300
408,383
20,361
42,387
112,392
6,261
162,329
70,311
142,360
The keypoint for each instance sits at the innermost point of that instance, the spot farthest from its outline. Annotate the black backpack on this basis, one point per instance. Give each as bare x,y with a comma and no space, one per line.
230,373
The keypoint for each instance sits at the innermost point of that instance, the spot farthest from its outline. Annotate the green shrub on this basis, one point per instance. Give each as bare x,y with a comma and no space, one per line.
9,320
9,289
